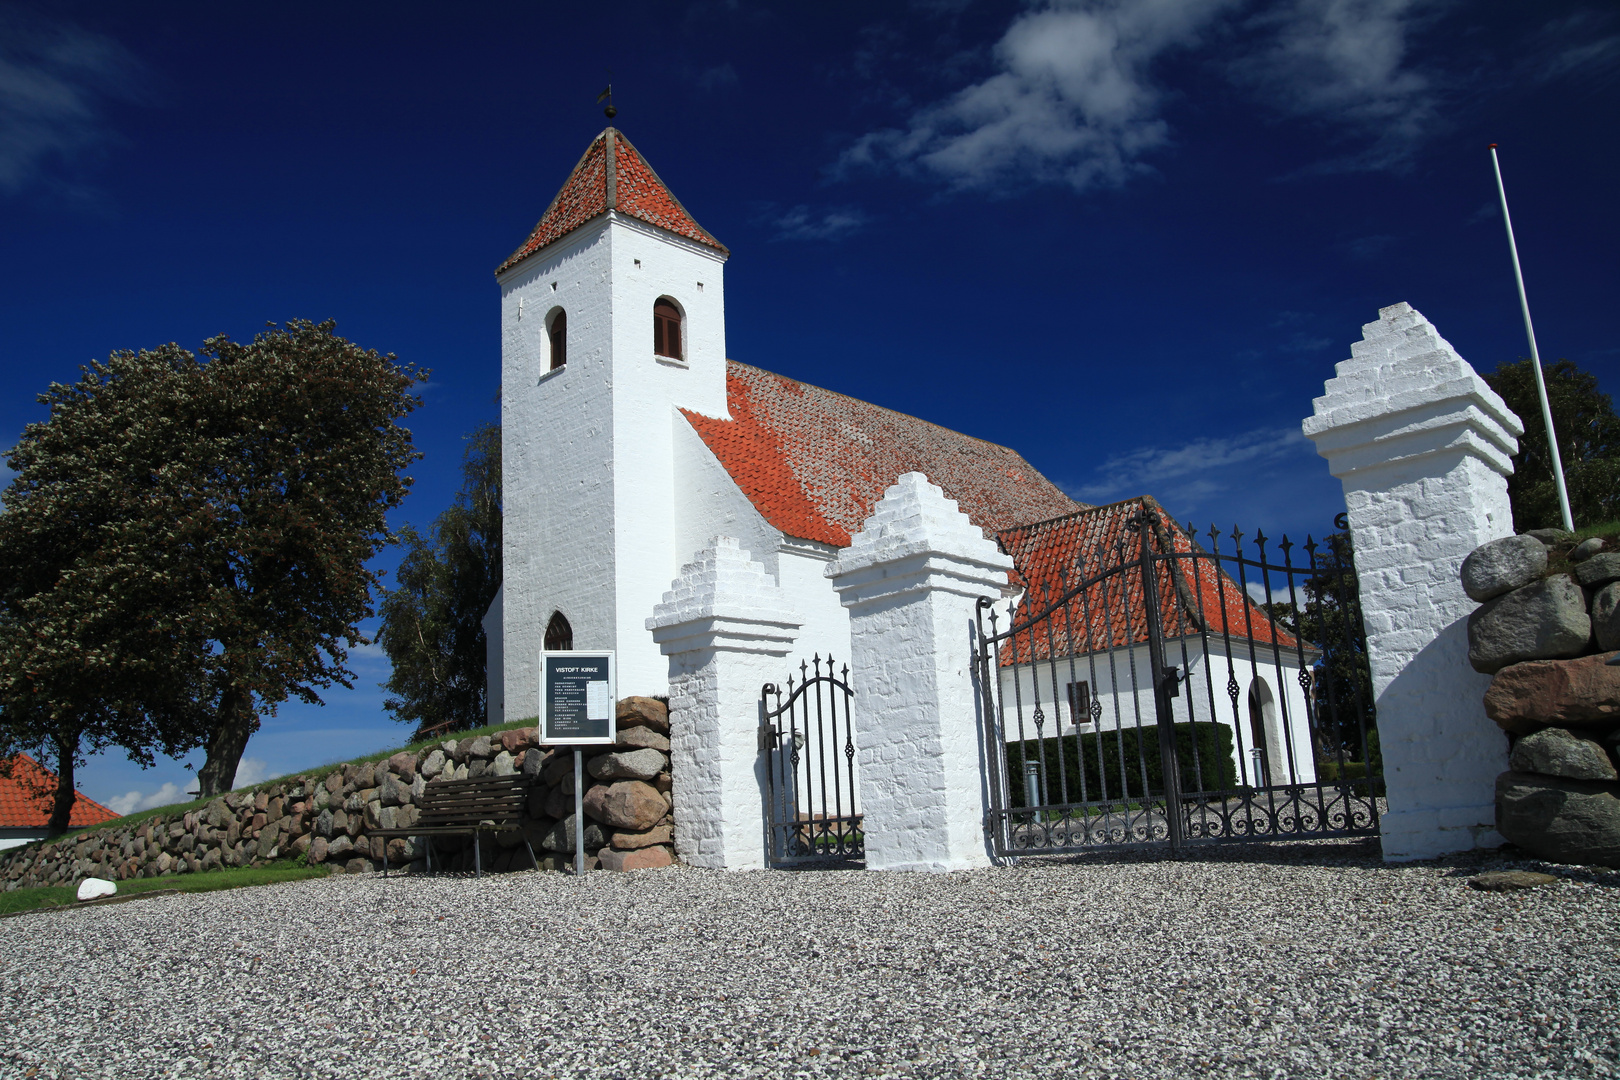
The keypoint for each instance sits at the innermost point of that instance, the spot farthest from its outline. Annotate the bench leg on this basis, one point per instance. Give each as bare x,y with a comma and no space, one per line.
478,855
385,858
429,850
534,863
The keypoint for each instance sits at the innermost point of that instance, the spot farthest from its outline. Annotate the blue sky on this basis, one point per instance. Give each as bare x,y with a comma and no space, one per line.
1130,239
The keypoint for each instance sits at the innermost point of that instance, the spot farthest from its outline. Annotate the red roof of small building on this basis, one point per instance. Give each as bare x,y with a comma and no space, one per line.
611,175
26,797
1197,594
814,463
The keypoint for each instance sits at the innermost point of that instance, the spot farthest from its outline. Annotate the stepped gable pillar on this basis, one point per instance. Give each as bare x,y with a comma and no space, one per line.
1423,447
911,579
725,626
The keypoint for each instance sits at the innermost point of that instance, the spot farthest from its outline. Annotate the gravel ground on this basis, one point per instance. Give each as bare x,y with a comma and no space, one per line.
1293,961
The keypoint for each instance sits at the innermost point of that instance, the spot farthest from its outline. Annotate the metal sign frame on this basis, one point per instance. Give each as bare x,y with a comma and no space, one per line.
590,688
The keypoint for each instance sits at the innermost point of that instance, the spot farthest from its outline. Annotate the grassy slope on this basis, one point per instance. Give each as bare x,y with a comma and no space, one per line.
60,895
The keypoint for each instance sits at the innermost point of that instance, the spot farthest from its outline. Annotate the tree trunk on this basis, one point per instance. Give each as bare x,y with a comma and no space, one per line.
237,723
62,810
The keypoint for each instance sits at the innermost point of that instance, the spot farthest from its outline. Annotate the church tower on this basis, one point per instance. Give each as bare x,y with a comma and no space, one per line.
612,318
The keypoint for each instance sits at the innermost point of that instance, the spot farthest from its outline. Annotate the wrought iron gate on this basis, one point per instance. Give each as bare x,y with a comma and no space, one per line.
808,745
1146,692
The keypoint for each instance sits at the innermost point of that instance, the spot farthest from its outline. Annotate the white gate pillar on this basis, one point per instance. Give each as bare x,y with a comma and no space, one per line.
910,580
725,627
1423,447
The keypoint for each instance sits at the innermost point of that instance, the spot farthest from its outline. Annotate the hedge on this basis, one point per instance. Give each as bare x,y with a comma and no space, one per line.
1215,762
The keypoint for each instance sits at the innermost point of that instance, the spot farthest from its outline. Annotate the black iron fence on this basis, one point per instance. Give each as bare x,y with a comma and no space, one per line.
1148,690
808,743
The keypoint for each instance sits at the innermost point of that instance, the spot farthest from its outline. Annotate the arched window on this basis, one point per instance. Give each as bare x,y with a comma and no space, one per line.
559,344
667,329
559,635
1261,723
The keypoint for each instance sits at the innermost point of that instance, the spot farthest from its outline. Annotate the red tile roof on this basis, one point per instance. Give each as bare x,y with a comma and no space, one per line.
26,797
1052,557
814,463
611,175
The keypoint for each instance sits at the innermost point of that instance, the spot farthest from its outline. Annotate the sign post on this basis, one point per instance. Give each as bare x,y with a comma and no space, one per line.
578,691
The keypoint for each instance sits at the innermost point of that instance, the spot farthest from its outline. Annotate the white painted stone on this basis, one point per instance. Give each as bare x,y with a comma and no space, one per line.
725,627
92,888
1423,448
911,579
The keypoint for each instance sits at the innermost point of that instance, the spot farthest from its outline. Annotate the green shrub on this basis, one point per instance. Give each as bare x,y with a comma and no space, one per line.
1328,771
1102,750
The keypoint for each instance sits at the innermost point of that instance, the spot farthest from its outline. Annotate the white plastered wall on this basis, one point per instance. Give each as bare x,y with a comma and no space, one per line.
588,454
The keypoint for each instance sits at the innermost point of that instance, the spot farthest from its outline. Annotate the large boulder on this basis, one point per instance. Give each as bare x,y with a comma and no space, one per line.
1502,566
631,805
632,764
1546,620
1573,821
642,738
631,841
1598,570
1586,549
1606,615
560,836
1558,752
432,765
1525,697
516,740
643,712
502,765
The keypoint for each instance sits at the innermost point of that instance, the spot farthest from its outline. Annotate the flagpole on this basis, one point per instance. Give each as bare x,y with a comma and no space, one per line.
1535,357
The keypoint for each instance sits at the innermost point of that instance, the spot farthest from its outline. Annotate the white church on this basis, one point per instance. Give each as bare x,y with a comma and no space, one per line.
630,441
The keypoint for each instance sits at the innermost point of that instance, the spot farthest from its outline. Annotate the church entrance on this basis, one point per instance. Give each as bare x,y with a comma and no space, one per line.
1152,692
807,748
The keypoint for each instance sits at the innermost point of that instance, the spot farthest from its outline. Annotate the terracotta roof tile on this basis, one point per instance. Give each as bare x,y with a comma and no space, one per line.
612,175
814,462
22,808
1052,557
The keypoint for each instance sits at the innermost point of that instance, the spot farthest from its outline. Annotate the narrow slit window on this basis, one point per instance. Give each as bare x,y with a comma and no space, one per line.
1080,702
667,330
559,635
559,342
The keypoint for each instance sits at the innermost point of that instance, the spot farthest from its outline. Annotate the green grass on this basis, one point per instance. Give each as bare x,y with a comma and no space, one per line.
1558,556
49,896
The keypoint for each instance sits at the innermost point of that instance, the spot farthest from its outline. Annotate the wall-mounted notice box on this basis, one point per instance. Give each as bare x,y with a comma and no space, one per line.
578,692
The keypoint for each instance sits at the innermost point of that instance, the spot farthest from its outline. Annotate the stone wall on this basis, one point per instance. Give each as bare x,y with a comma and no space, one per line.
1548,641
327,818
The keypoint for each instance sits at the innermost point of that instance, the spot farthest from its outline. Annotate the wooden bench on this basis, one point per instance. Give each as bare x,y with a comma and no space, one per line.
473,806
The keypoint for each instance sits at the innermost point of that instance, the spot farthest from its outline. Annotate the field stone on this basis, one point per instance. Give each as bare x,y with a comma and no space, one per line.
1510,880
393,791
1586,549
1523,698
630,805
643,712
432,765
642,859
558,803
516,740
533,762
1606,616
1502,566
634,765
475,767
323,823
554,768
481,749
502,765
403,764
642,738
627,841
1562,820
1551,537
1546,620
560,836
1598,570
359,866
1558,752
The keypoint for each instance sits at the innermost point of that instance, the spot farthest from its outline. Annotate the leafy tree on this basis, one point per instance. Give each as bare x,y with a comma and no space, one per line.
223,533
94,647
432,622
1588,442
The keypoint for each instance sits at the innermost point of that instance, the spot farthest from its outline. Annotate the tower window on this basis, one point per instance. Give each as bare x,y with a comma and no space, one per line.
559,635
559,340
667,329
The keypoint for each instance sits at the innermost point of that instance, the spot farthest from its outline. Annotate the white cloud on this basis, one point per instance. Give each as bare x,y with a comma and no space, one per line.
717,77
53,77
133,801
250,771
1192,469
1581,44
1072,103
803,223
1345,62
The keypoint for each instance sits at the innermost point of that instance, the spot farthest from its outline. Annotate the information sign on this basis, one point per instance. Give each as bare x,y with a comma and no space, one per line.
578,692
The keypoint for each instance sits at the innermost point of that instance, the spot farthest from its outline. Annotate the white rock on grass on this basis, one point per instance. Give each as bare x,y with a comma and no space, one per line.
92,888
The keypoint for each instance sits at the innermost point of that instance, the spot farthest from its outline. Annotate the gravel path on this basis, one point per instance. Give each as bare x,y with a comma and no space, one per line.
1302,961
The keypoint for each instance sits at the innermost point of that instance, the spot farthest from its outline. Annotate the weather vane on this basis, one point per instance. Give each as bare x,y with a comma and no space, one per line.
607,95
